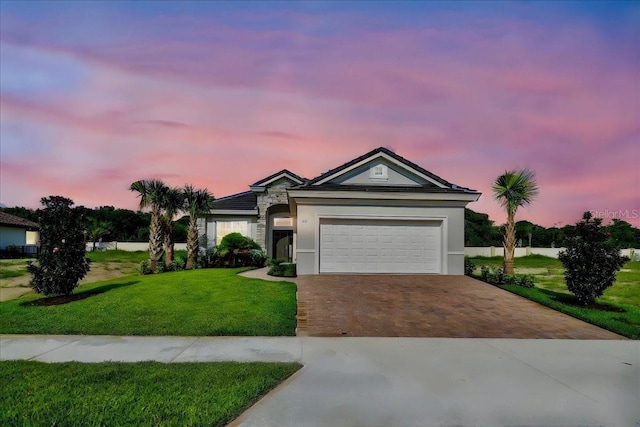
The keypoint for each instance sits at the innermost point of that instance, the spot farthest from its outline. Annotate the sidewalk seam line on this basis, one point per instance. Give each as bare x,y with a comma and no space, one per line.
184,349
508,353
57,348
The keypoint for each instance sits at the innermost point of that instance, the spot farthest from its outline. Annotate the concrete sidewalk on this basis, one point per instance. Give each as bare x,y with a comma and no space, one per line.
398,381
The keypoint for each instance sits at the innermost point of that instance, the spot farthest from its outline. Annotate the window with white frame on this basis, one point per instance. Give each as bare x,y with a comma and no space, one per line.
227,227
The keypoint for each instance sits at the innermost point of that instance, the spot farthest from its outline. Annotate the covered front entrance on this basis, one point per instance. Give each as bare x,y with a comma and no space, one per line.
280,234
282,244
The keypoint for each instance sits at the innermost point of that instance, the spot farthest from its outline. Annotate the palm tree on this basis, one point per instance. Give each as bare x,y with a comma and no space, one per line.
513,189
96,230
172,203
196,203
152,194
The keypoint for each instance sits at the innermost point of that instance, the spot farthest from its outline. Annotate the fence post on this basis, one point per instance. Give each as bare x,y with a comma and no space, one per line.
493,251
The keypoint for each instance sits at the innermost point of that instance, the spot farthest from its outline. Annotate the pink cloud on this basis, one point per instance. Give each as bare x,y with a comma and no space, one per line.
221,107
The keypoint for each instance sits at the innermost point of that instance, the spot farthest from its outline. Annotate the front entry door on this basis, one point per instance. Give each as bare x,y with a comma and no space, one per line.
282,244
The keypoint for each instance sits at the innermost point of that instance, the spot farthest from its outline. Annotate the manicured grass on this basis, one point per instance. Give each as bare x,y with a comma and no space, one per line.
550,290
6,273
197,302
118,256
13,268
625,323
132,394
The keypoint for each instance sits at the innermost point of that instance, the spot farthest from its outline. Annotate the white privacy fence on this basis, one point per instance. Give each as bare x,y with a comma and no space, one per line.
128,246
468,251
520,252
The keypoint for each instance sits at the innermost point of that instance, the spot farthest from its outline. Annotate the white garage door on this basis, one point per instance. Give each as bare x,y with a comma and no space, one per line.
380,246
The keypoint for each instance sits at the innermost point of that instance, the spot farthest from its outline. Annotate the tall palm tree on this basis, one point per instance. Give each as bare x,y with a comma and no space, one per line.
513,189
152,194
196,202
172,203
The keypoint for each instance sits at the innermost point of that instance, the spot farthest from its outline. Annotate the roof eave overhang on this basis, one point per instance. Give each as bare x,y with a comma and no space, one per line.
233,212
367,195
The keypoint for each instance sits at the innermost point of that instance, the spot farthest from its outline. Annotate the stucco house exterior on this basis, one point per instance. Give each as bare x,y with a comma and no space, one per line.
16,231
378,213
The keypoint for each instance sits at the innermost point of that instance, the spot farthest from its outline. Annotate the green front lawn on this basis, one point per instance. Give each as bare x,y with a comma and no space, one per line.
187,303
622,300
136,394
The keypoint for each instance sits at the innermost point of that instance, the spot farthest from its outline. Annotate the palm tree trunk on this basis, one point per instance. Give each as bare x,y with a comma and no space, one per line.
192,243
155,240
509,243
168,244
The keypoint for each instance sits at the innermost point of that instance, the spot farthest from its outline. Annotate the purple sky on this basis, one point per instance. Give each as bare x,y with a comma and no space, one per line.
96,95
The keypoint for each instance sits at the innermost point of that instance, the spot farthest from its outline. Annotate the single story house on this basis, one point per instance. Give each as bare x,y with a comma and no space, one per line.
18,232
378,213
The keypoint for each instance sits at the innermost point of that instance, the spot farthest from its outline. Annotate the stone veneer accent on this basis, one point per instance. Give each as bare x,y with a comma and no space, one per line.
275,194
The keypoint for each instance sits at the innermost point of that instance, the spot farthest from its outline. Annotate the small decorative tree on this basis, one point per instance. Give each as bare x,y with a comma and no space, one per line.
61,261
590,261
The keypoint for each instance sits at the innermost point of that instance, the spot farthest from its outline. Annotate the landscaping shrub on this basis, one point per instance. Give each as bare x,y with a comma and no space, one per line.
235,251
521,280
590,261
178,264
496,276
61,261
144,268
469,267
258,257
281,268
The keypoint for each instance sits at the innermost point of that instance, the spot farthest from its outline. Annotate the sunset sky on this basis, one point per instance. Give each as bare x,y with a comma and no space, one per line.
96,95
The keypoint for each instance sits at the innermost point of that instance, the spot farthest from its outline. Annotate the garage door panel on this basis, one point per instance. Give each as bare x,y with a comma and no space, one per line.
382,246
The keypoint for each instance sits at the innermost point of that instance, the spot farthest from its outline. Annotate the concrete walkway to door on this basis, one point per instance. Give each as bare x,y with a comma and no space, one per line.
427,306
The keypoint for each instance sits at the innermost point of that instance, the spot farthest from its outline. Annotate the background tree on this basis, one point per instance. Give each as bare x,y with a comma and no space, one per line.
61,260
623,235
513,189
590,260
96,230
152,194
479,230
197,202
173,203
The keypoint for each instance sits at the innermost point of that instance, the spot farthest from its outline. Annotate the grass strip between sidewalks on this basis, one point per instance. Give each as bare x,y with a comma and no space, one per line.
140,394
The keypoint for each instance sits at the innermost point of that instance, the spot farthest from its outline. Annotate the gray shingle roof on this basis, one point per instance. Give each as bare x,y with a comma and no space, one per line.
243,201
425,188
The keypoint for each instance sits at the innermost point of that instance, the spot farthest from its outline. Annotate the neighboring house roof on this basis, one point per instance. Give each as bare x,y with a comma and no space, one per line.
284,173
15,221
242,201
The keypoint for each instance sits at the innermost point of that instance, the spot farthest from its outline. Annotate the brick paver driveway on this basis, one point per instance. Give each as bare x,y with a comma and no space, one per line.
427,306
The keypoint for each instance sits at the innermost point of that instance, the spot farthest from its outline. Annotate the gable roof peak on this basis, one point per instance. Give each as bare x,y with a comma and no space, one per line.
284,173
